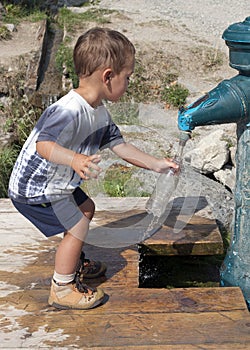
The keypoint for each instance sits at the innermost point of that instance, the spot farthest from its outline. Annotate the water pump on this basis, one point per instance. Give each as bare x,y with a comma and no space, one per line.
229,102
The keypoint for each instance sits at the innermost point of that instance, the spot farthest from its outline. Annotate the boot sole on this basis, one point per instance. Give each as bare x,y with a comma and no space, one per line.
67,307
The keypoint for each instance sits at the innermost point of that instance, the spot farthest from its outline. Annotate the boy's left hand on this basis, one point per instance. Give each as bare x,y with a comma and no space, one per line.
86,166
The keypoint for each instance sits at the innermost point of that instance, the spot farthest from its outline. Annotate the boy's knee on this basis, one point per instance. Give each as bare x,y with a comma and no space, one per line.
88,208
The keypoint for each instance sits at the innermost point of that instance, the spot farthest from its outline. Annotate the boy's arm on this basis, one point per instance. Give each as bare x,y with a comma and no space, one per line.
141,159
84,166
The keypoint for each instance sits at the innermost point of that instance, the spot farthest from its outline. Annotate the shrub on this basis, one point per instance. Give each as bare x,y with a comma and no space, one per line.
8,157
146,85
4,33
71,21
64,58
21,118
174,94
22,10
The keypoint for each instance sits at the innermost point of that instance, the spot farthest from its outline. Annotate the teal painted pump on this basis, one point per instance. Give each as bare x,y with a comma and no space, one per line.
229,102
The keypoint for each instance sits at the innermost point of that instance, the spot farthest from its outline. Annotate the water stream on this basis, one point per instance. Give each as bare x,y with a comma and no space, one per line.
158,205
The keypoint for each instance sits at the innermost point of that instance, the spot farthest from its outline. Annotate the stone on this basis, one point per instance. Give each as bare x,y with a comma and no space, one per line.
226,176
11,27
210,154
233,155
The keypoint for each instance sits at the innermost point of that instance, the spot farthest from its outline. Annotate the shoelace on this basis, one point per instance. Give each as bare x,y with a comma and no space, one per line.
87,264
82,287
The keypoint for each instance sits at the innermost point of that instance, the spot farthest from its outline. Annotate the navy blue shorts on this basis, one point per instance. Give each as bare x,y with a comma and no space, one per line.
54,217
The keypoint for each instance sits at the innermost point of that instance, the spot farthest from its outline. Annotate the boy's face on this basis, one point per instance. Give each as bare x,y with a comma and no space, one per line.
118,83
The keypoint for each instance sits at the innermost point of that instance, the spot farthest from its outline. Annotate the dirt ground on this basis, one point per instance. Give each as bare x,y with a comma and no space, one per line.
24,40
187,32
185,37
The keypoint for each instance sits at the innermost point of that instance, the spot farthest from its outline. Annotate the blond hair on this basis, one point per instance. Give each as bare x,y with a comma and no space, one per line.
102,48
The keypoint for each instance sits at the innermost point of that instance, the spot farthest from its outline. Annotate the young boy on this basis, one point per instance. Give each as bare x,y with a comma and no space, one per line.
61,152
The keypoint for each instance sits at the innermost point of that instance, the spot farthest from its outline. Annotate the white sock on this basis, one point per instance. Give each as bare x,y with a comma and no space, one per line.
63,279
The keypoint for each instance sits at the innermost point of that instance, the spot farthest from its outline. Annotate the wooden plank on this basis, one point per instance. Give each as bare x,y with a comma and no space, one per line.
206,346
122,263
134,300
10,220
137,329
122,266
41,276
117,275
131,318
6,206
200,236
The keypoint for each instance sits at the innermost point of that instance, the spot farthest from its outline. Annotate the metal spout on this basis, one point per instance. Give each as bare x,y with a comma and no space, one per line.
226,103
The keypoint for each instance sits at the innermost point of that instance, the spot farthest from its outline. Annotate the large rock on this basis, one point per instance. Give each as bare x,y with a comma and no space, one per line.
210,154
227,176
220,199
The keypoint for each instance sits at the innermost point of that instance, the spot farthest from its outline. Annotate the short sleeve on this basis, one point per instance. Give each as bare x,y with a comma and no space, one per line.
57,126
112,136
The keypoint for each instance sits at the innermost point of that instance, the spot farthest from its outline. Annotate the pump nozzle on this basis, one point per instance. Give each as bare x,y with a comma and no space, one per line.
226,103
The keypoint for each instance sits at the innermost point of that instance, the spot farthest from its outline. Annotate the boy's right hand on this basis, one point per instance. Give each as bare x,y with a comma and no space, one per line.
86,166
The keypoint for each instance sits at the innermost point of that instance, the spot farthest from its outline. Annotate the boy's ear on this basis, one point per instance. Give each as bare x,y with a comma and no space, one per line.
107,74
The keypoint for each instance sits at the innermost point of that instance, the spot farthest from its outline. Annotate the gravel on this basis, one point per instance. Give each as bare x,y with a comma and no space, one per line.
203,22
207,18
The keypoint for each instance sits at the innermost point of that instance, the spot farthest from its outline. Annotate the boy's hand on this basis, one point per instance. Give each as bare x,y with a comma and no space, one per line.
163,165
86,166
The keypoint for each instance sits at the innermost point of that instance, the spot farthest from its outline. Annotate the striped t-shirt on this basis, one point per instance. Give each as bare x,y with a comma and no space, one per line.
72,123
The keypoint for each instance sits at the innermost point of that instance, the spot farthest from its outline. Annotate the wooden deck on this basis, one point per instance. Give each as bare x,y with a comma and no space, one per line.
132,317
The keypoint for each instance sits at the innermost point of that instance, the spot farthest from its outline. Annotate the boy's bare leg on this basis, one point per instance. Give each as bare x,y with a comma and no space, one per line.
67,290
88,268
69,250
67,255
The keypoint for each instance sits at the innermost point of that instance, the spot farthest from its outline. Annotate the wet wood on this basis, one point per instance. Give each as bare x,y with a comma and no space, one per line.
137,300
200,236
137,329
197,235
206,346
131,317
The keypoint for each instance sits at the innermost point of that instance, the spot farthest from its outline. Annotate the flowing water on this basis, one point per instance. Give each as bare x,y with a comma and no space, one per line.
158,204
